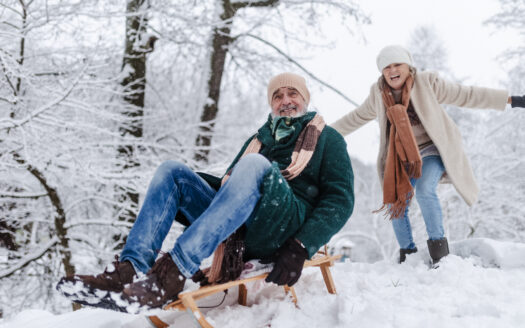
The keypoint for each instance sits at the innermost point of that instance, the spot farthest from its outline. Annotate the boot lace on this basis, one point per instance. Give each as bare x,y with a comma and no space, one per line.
161,268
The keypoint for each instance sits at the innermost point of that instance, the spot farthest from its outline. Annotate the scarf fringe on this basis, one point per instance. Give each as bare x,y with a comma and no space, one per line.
397,209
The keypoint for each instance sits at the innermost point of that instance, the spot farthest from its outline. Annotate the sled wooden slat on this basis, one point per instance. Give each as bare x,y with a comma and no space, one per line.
187,300
157,322
190,305
291,290
210,290
243,295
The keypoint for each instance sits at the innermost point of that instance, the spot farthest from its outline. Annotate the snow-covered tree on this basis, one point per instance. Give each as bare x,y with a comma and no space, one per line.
65,97
428,50
58,135
510,17
252,38
501,149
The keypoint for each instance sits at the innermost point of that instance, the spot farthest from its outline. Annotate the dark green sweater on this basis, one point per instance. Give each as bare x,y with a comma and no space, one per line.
313,206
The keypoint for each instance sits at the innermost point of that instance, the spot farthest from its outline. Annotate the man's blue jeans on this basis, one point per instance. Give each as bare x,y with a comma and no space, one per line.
213,215
425,188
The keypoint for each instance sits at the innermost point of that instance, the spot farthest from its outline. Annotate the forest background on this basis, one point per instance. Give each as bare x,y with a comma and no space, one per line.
94,95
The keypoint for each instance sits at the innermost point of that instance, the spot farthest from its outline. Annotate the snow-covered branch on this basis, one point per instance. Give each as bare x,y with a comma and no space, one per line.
301,67
99,223
10,123
26,260
22,195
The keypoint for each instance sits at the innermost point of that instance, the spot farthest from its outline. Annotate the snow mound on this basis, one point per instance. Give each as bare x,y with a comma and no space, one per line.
491,253
480,285
93,318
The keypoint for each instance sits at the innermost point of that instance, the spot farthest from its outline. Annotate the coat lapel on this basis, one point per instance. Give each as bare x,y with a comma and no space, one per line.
415,98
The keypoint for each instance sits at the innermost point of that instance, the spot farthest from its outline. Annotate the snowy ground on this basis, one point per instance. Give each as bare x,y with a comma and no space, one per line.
481,285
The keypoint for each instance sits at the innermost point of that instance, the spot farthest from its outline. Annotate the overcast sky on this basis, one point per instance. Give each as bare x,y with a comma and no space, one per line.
472,48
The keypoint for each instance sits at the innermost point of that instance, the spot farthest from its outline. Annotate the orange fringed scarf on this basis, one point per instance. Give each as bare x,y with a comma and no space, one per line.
301,155
403,160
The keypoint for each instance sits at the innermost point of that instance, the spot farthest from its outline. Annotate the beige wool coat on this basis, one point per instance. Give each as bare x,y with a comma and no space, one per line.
428,93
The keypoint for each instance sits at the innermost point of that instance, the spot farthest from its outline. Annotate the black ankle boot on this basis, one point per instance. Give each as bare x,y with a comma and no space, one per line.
403,252
437,249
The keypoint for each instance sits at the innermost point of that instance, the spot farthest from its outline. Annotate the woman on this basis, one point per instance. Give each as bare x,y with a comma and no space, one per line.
419,143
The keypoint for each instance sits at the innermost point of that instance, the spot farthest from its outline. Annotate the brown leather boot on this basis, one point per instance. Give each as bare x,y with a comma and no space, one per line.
91,289
162,284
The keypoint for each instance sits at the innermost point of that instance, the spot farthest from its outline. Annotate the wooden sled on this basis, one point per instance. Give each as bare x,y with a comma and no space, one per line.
187,300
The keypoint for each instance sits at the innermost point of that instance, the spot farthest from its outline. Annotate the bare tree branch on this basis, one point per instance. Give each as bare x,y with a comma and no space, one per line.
100,223
60,216
7,100
267,3
26,196
26,260
10,8
5,74
9,123
290,59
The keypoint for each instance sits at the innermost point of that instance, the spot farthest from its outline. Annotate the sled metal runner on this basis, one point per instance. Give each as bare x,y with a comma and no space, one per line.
187,300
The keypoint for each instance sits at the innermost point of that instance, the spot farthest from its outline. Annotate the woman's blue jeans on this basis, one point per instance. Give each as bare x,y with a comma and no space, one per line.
425,188
213,215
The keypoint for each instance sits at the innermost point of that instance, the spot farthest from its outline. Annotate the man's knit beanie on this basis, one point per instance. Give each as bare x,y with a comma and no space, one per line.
288,80
393,54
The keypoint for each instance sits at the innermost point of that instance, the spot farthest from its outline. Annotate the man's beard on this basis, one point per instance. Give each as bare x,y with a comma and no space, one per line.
287,107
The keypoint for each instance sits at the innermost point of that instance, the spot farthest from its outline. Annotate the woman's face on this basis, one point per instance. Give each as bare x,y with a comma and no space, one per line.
396,75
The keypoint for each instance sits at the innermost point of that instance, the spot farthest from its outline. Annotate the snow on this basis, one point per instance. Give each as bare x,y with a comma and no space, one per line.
78,319
481,284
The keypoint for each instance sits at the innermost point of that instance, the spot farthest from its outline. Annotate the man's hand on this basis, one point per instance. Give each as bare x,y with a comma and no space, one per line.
200,278
289,261
518,101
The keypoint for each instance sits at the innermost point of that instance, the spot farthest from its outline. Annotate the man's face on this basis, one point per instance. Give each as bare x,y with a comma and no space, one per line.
288,101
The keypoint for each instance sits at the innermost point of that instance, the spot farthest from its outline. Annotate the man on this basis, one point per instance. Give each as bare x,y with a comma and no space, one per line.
288,191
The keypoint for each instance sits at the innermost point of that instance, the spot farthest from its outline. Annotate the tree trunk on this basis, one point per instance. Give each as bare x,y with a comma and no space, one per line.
7,232
134,83
221,40
51,193
59,221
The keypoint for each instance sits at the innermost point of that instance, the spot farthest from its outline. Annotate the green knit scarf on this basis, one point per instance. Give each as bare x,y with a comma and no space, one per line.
281,127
